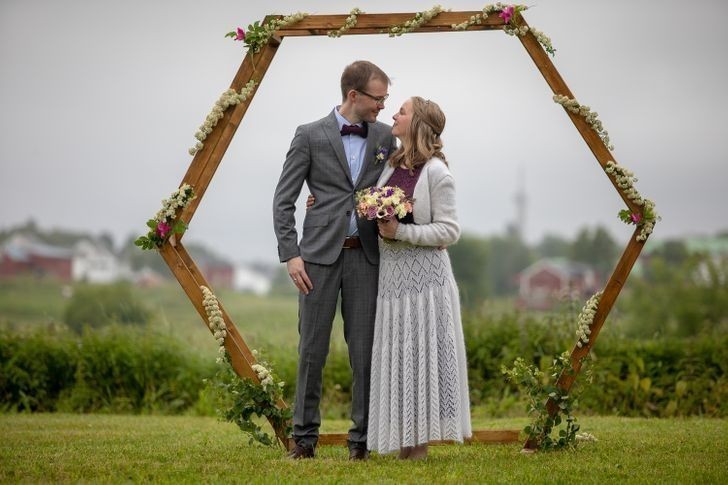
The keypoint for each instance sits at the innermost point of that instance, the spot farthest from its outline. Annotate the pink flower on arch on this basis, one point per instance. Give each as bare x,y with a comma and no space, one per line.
636,218
507,13
239,34
163,229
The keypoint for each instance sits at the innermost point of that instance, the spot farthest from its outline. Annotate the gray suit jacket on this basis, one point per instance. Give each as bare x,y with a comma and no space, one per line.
317,157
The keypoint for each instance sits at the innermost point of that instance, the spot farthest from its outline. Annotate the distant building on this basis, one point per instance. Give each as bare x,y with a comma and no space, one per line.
94,263
146,277
23,255
549,280
218,274
250,280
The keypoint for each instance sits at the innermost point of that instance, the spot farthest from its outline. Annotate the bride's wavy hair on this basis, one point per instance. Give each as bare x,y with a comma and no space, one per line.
422,141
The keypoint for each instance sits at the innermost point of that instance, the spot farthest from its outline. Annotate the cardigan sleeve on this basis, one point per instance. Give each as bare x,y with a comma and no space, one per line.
444,229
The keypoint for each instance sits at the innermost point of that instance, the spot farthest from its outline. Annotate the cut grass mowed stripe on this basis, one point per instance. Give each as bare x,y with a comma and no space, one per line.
71,448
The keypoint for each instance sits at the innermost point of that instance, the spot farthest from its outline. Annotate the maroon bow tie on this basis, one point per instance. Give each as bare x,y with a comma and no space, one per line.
354,130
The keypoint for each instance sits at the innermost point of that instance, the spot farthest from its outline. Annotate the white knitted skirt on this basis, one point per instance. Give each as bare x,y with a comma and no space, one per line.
419,382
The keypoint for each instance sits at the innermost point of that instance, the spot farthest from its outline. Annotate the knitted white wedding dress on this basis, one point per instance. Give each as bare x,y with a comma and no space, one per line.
419,383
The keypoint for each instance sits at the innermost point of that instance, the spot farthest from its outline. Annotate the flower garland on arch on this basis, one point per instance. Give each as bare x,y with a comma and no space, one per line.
586,318
258,35
509,14
589,116
238,399
645,220
538,387
350,22
160,227
227,99
215,321
416,22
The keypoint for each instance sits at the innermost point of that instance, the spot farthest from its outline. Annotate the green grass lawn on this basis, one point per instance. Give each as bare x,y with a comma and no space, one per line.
72,448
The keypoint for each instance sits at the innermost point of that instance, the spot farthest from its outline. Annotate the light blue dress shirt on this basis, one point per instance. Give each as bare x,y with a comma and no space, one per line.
355,148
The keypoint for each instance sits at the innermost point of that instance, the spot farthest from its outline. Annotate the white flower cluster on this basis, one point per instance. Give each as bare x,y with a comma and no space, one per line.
179,199
648,224
586,317
478,18
265,376
227,99
625,180
274,25
348,24
590,116
544,40
520,31
214,319
419,19
585,437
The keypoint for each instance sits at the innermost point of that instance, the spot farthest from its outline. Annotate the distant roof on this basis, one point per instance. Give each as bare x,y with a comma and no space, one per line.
20,247
713,245
564,266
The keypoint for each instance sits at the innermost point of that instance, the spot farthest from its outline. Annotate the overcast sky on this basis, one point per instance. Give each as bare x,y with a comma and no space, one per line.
100,100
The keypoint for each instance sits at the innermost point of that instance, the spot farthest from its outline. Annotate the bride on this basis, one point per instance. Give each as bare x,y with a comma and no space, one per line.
419,383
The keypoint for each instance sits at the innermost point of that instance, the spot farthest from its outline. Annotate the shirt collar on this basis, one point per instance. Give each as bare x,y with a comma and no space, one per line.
341,120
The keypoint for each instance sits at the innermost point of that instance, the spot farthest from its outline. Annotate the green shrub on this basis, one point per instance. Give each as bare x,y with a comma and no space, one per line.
119,369
661,377
34,370
100,305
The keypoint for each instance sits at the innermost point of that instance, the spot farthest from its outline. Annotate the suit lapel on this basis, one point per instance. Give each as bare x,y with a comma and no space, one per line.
331,128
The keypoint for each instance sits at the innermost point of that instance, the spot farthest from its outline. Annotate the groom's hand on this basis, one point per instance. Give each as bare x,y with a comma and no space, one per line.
297,272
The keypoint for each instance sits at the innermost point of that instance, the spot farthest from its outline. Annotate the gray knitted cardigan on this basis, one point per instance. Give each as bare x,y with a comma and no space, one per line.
433,209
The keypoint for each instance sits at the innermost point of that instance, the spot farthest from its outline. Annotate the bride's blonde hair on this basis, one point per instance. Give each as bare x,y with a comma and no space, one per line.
422,141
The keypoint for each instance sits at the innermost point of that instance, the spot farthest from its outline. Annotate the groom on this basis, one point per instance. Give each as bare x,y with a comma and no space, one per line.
337,254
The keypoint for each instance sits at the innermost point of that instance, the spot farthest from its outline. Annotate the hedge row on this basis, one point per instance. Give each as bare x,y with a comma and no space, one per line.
123,369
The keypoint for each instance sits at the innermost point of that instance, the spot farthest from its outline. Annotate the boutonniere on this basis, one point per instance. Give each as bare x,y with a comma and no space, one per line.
380,155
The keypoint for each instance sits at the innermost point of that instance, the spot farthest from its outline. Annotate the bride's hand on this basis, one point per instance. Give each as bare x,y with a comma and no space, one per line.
388,227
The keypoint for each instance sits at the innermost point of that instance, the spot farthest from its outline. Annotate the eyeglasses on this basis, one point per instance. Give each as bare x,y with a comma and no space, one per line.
379,100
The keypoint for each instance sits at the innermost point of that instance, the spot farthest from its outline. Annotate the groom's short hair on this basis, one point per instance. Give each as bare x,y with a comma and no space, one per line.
357,75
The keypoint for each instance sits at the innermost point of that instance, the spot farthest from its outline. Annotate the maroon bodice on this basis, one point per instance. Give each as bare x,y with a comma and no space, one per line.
404,180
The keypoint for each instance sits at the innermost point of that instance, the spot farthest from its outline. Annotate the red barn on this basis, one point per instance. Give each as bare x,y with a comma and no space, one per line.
22,255
547,281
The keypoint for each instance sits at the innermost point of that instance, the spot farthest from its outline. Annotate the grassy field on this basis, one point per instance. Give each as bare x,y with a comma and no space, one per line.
264,322
72,448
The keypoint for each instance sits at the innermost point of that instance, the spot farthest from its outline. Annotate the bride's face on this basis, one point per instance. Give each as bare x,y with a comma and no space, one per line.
402,119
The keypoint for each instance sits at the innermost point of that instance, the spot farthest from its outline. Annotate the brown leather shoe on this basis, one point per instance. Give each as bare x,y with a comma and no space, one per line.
358,454
300,452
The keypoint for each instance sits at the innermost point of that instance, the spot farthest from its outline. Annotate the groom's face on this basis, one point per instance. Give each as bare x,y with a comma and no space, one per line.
366,106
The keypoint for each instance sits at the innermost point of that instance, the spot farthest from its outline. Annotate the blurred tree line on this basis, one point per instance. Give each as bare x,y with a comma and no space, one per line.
489,266
672,291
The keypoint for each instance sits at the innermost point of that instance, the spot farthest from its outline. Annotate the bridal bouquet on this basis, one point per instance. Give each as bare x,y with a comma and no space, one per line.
383,203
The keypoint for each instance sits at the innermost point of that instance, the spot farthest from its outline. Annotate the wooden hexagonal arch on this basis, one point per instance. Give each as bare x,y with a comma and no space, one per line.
254,67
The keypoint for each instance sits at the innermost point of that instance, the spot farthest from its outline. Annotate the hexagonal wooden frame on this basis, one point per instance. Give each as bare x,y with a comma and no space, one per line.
254,67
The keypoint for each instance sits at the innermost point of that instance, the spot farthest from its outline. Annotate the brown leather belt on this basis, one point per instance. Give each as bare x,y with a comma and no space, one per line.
352,242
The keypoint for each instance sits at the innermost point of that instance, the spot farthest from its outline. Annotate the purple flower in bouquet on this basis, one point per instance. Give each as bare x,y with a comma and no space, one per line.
382,203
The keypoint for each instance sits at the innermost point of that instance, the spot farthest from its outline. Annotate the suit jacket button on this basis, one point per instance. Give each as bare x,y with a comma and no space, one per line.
348,213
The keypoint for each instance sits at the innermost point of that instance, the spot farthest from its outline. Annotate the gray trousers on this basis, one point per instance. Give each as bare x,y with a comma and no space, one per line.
356,279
